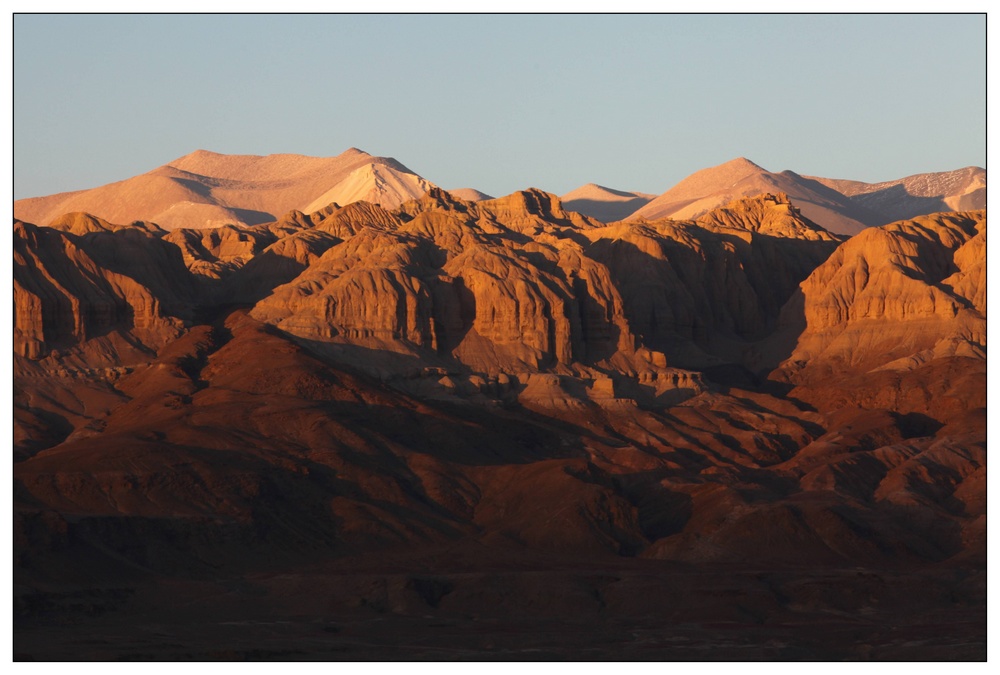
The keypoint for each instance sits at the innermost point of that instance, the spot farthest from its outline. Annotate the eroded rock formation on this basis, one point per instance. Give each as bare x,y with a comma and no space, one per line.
499,377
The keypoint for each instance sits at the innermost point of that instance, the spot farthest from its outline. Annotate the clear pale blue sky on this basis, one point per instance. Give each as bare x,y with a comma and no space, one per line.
501,103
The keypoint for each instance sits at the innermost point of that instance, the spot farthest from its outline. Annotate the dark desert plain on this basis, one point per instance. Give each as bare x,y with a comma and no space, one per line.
319,408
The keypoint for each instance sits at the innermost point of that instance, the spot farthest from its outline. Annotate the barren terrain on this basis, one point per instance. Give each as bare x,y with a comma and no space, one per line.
421,427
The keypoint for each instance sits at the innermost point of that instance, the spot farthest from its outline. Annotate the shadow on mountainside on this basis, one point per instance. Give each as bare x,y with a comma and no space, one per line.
606,212
251,217
669,301
775,349
848,206
895,203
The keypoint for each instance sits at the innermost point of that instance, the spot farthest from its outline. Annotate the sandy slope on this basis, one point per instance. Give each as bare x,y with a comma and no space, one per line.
710,188
376,183
207,189
920,194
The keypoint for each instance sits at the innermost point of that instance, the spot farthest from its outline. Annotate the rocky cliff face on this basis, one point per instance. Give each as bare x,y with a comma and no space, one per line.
520,283
63,297
446,277
501,375
893,297
720,279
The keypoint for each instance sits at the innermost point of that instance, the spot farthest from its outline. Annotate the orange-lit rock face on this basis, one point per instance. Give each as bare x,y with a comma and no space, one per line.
63,297
894,297
520,283
501,379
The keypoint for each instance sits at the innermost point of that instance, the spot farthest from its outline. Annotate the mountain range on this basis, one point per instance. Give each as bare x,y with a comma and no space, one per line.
416,423
207,189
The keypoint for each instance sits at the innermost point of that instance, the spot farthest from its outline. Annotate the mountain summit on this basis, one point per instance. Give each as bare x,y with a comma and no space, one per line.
387,184
208,189
713,187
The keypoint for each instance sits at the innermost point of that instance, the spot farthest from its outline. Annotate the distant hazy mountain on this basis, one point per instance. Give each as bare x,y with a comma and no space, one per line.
603,203
470,194
842,206
711,188
207,189
923,193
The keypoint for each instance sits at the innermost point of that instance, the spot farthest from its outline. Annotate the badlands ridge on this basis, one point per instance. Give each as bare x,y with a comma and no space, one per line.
233,364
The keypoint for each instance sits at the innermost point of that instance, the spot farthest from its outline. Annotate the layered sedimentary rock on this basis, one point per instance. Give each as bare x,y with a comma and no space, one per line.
893,297
484,292
62,297
508,372
455,409
722,277
446,276
216,252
